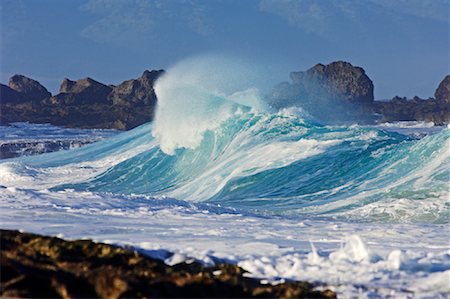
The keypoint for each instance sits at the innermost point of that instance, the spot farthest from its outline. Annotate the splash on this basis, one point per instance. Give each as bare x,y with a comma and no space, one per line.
213,142
197,95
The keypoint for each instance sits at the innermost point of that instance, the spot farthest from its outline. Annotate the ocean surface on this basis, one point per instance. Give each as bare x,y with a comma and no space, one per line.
24,139
362,209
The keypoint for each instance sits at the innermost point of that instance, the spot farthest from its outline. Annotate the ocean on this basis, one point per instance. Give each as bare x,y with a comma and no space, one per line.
219,177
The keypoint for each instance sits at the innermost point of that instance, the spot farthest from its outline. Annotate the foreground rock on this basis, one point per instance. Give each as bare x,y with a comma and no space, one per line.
84,103
37,266
335,92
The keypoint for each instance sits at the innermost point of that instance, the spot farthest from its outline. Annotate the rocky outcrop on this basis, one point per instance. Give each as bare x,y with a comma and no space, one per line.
436,110
339,80
8,95
416,109
21,90
29,89
335,92
137,92
84,91
34,266
339,92
442,93
84,103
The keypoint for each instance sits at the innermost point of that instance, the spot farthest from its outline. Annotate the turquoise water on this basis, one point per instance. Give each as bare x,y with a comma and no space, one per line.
278,164
214,142
219,175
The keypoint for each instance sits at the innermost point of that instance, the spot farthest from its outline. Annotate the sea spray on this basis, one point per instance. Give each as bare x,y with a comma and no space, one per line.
197,95
204,146
252,187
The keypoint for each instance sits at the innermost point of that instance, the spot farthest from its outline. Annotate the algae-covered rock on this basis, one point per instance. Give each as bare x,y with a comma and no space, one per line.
38,266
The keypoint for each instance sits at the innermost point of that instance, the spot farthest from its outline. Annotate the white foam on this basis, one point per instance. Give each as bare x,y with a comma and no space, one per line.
356,259
197,95
18,174
185,113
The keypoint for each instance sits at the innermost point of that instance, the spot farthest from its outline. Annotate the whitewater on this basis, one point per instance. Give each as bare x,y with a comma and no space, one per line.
217,176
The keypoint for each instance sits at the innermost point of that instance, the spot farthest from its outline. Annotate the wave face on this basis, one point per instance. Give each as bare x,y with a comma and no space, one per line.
224,148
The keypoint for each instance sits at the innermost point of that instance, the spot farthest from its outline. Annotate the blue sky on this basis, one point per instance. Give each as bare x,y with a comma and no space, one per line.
403,45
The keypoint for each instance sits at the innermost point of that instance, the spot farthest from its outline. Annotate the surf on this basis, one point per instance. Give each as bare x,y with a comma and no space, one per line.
215,143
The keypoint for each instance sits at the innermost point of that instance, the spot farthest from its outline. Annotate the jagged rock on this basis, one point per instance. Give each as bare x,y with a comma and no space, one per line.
338,91
34,266
83,91
138,92
442,93
431,110
29,89
66,85
402,109
84,103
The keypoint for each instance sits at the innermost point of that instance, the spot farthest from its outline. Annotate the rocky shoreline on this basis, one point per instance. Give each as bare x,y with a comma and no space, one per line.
340,92
84,103
39,266
333,93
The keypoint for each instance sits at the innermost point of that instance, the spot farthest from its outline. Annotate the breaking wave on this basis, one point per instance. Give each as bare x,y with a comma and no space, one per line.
222,146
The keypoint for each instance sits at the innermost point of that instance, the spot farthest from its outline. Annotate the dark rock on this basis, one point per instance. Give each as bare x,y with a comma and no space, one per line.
84,91
138,92
339,80
431,110
84,103
9,95
37,266
66,85
29,89
442,93
416,109
335,92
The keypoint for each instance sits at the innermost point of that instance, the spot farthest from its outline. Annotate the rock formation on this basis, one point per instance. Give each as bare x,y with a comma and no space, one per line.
339,92
136,92
34,266
8,95
335,92
436,110
338,79
84,103
442,93
416,109
84,91
29,89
